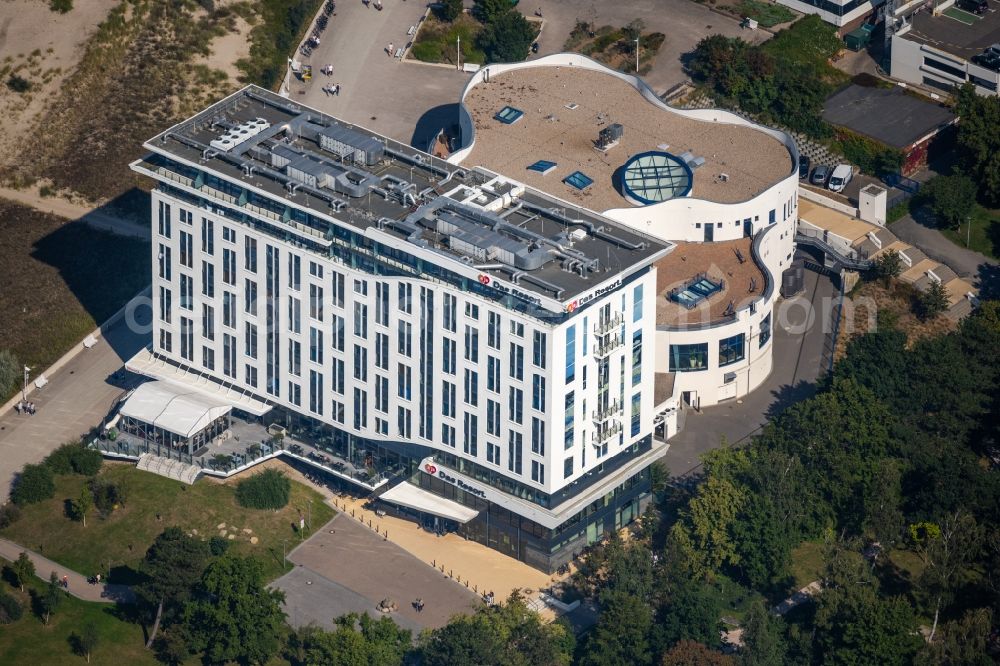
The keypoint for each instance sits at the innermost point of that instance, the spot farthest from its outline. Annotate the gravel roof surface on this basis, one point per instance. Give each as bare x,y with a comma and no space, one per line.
752,160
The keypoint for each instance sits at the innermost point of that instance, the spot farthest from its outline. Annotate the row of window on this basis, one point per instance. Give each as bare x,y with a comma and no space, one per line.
694,357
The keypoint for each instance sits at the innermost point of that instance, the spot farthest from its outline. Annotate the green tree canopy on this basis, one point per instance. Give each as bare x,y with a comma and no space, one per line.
34,484
506,38
357,639
449,10
490,11
952,198
978,142
23,569
621,637
173,564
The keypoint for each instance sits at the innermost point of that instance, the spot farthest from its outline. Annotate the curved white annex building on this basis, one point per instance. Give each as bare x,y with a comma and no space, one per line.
721,189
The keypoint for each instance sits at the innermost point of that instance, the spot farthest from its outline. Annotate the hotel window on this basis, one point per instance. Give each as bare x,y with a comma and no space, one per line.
315,392
471,387
250,297
470,441
337,288
251,375
295,394
493,453
316,302
294,272
315,270
514,452
583,349
472,310
569,419
637,303
381,426
229,355
450,306
165,340
228,266
361,363
771,216
382,351
381,394
448,398
295,358
207,322
337,411
538,349
207,236
403,381
187,339
493,417
187,250
187,292
447,435
382,303
516,361
537,436
636,413
164,220
208,358
537,471
732,350
294,315
229,309
337,378
493,330
186,216
338,333
448,357
471,344
361,287
315,345
636,358
765,330
689,358
517,329
493,374
164,258
538,392
404,342
208,279
361,320
229,234
404,297
250,340
166,305
405,420
250,254
515,404
360,409
571,353
567,468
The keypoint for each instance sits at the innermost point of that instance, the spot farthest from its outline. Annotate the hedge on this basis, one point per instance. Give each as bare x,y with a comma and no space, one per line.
268,490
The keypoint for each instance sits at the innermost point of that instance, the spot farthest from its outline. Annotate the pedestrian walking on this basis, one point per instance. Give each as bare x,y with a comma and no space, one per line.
65,582
336,89
390,49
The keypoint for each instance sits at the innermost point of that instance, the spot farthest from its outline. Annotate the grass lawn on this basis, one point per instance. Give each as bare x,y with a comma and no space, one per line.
807,563
29,641
436,40
60,280
984,236
125,535
766,14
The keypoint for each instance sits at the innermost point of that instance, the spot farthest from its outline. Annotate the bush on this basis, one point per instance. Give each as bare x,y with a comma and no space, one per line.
448,10
9,514
490,11
283,23
10,609
218,546
507,39
952,198
61,6
872,157
75,458
268,490
10,372
108,495
35,484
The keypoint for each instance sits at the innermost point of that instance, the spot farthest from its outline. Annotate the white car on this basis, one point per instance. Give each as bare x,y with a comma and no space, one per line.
840,177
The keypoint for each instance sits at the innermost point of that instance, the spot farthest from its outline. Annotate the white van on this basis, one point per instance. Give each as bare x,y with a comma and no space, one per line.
840,177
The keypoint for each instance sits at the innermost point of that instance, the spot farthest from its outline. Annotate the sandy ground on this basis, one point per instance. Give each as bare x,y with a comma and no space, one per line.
26,27
229,48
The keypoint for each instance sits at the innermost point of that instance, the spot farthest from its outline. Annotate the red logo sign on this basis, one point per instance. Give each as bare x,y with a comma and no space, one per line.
484,279
571,306
430,469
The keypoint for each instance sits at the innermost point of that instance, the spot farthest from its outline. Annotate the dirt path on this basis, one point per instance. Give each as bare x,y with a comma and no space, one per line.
95,217
78,585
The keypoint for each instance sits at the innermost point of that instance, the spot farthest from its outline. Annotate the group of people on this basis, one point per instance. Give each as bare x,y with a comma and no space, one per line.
25,408
332,89
419,605
488,598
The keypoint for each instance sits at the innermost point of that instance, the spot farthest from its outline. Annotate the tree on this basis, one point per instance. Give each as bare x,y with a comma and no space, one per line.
888,266
962,642
691,653
688,610
83,505
357,639
489,11
86,641
709,518
952,198
10,609
449,10
23,569
34,484
763,638
173,565
268,490
10,371
621,637
50,599
75,458
933,301
507,38
236,618
978,142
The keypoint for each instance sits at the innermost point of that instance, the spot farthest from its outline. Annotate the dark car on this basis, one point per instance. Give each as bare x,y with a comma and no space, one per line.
820,175
803,167
979,7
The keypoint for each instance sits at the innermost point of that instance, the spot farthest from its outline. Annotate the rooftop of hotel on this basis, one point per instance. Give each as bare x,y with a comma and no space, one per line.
564,109
263,154
726,265
962,38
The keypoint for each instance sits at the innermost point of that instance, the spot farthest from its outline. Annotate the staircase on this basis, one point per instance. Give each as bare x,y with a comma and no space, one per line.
851,263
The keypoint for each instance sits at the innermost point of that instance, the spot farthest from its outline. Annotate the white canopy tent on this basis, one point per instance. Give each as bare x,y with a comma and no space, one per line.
413,497
173,408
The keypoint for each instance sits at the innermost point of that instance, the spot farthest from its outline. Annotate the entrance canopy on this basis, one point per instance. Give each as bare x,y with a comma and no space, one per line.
408,495
173,408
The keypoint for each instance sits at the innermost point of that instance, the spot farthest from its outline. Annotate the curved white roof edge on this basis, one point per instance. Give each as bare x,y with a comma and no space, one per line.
577,60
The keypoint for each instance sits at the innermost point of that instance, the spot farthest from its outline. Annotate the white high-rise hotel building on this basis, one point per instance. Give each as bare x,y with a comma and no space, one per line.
502,350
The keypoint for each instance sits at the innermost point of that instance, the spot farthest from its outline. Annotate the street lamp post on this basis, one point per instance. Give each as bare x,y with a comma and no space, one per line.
24,386
636,56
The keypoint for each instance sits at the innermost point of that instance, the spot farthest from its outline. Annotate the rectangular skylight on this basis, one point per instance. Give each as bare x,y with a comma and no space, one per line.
579,180
542,166
508,115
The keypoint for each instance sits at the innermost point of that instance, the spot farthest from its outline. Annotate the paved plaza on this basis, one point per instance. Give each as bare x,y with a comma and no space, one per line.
347,567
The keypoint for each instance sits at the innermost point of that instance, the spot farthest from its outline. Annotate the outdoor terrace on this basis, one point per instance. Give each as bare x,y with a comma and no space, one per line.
565,108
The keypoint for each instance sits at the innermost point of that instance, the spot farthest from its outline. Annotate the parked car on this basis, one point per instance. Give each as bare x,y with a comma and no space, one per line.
978,7
803,167
820,174
840,177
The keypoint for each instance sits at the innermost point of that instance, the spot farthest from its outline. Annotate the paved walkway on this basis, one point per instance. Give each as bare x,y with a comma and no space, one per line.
966,263
78,585
800,597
